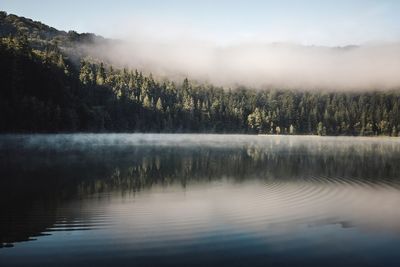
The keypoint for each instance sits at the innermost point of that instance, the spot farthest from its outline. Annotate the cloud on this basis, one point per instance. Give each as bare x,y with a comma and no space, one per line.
257,64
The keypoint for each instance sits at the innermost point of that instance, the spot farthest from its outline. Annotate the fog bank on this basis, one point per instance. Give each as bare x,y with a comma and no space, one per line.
255,64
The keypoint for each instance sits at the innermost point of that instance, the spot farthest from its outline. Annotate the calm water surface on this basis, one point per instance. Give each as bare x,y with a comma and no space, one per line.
185,200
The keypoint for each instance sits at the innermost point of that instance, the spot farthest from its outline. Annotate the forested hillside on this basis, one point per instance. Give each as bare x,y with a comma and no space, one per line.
44,89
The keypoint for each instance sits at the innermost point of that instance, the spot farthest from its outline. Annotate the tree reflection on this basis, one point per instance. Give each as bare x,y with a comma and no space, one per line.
36,182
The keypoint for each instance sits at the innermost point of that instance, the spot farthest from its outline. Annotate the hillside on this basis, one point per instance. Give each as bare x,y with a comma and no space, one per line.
48,85
40,34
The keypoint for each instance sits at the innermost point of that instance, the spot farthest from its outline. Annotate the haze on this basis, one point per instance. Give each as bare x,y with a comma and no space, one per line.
335,45
279,65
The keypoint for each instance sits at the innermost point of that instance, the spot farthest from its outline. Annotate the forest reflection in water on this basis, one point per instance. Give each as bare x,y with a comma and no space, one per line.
199,198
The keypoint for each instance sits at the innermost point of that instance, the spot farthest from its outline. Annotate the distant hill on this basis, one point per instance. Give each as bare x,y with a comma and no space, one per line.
47,84
40,34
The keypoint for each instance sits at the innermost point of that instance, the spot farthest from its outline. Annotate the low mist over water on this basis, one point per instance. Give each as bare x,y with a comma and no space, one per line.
168,200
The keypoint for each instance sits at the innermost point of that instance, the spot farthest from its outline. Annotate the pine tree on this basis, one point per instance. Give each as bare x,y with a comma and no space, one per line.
159,105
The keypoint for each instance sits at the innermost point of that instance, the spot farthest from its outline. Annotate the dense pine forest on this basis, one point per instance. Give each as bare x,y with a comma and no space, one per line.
46,88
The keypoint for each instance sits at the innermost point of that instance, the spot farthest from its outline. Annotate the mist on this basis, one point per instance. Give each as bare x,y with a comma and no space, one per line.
373,66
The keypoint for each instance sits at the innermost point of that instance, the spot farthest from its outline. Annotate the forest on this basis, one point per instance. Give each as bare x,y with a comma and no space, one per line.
44,89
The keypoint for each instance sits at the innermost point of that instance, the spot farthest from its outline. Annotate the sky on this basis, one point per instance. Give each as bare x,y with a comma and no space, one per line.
305,22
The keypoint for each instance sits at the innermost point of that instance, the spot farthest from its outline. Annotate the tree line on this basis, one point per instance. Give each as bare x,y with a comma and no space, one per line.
42,90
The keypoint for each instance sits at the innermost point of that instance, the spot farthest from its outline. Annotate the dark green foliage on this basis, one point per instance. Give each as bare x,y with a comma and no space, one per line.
43,91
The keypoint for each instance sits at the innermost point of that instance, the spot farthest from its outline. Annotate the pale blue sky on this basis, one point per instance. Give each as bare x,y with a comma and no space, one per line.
321,22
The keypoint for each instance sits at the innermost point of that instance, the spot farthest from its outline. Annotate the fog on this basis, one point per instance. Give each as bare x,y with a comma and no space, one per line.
256,146
257,64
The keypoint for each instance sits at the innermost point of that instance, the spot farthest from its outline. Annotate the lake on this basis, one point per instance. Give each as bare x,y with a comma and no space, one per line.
199,200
